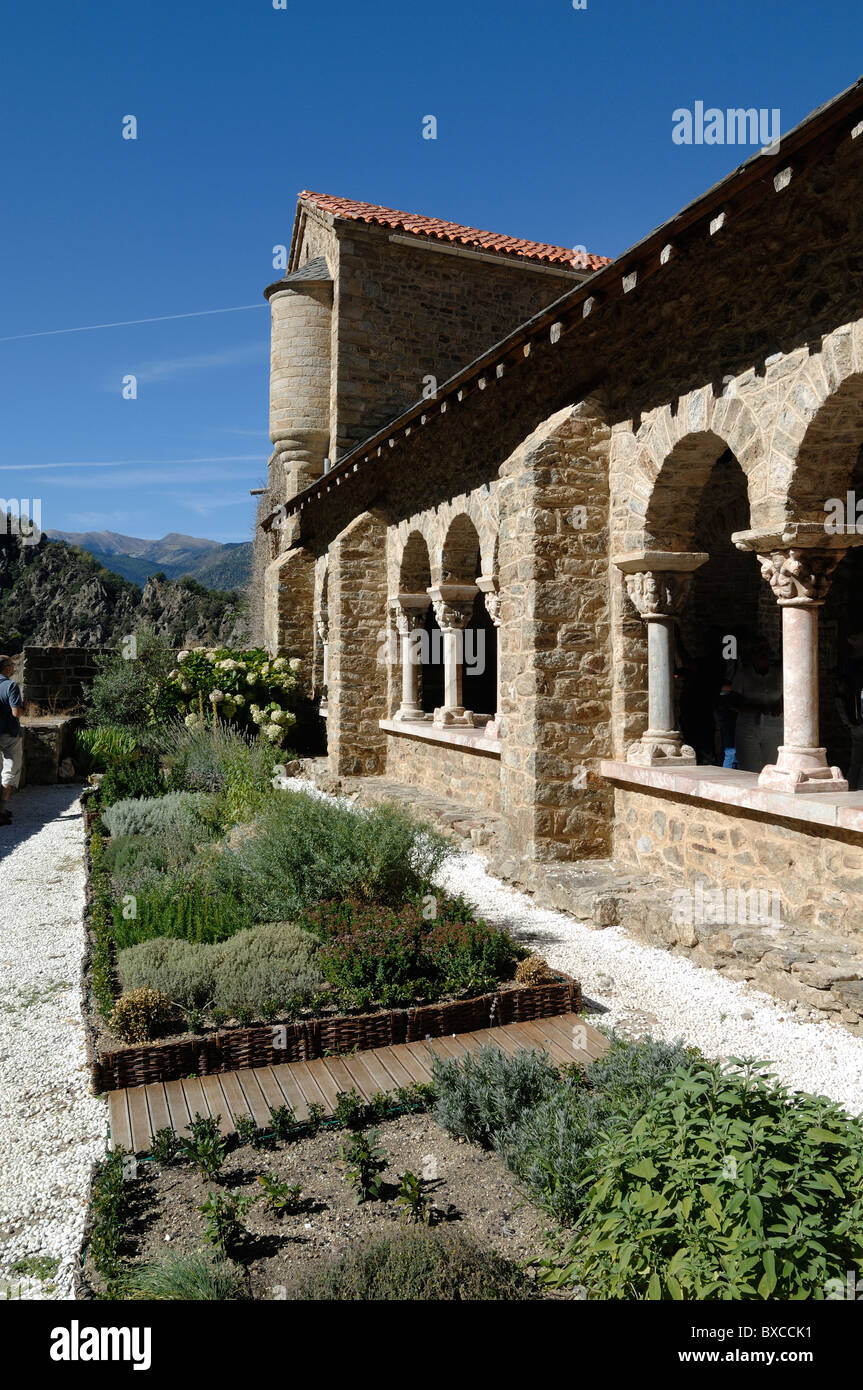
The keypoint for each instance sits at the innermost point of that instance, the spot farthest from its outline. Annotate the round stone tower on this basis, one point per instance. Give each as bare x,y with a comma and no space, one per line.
301,307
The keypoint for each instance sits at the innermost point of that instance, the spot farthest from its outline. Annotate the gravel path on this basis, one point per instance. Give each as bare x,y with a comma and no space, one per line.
642,989
51,1128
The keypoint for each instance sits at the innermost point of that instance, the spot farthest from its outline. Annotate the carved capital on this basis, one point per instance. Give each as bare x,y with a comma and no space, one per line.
799,578
658,593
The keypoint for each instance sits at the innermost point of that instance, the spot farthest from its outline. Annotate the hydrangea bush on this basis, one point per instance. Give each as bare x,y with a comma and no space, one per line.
247,689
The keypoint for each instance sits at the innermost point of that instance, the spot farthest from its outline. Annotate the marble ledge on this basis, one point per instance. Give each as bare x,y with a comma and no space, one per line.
726,787
474,740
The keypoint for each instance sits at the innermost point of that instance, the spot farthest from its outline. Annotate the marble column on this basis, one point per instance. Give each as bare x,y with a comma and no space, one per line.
657,582
799,576
410,611
453,608
488,585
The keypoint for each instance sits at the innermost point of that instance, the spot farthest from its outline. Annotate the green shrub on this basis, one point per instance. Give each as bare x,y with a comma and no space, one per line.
186,911
418,1264
142,1014
102,928
307,849
123,690
257,965
726,1187
487,1090
267,963
139,777
223,761
395,956
109,1204
247,688
188,1278
172,814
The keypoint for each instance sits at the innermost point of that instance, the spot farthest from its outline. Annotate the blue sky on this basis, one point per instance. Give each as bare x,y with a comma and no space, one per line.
553,124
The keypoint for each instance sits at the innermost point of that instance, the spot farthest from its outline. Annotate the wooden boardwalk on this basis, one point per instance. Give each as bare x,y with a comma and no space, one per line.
138,1111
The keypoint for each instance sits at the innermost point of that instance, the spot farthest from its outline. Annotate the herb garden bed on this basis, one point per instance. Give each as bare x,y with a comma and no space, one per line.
268,1044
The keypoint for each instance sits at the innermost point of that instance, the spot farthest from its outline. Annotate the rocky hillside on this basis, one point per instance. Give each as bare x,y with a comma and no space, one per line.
52,593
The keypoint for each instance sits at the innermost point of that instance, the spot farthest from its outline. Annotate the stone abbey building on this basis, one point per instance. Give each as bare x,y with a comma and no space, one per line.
520,497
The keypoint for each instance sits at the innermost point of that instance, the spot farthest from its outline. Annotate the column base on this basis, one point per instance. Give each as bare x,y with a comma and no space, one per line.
447,715
660,750
410,714
801,770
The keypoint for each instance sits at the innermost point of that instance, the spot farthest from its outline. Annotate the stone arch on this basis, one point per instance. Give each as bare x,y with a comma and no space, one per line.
461,551
659,470
818,431
415,565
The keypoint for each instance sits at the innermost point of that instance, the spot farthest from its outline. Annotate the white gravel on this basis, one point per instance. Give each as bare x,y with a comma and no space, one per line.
51,1128
647,990
642,989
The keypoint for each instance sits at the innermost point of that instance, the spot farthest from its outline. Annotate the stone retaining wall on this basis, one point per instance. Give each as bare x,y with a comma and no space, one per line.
466,775
55,678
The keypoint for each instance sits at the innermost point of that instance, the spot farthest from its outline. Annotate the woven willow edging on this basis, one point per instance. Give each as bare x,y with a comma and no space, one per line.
266,1045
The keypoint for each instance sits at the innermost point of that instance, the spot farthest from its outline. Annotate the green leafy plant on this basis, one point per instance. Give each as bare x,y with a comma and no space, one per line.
316,1116
412,1197
284,1121
282,1198
139,777
124,690
483,1092
223,1219
351,1111
167,1146
96,749
248,1131
109,1204
364,1163
728,1186
205,1147
142,1014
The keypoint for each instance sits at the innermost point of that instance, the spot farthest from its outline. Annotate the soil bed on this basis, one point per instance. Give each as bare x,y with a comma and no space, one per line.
472,1192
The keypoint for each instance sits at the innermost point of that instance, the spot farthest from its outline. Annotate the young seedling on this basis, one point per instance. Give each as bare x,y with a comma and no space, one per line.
205,1146
282,1198
413,1199
364,1165
224,1212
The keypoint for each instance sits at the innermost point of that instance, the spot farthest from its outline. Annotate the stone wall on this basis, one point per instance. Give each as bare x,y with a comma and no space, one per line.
817,870
468,776
55,678
358,645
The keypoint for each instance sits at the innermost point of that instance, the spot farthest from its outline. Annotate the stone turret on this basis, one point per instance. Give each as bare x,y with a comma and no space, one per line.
301,306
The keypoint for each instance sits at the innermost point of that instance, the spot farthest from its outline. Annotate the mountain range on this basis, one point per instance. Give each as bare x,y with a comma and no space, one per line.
215,564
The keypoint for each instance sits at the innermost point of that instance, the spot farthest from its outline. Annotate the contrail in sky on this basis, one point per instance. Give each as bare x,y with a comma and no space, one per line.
126,323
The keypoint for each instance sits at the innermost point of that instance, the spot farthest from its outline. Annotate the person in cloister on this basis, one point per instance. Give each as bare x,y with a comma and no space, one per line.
756,694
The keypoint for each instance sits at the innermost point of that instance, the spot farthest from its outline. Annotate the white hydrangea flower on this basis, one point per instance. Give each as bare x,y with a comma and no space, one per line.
273,732
238,700
191,720
183,655
216,697
280,664
186,688
251,679
295,663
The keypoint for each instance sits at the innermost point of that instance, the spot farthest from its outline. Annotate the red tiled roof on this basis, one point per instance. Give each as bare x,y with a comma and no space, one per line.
452,232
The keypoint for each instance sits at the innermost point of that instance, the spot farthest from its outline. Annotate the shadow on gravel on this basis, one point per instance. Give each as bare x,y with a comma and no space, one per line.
32,809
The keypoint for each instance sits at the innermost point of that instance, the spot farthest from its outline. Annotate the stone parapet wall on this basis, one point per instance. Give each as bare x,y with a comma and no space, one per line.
469,776
817,870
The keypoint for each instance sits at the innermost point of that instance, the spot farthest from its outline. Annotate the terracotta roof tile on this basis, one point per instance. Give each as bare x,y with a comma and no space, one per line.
452,232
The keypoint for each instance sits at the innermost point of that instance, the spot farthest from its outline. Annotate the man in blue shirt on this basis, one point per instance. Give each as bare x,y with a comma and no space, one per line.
11,742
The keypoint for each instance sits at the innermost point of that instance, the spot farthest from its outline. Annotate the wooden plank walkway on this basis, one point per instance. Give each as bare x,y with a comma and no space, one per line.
137,1112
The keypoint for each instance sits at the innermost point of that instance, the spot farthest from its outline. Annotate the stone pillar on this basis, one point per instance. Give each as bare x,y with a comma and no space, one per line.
409,611
488,584
289,584
799,577
657,583
323,638
453,607
358,648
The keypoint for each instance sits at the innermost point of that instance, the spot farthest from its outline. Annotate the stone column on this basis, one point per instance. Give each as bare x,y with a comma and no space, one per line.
324,637
410,611
799,576
453,606
657,582
488,584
